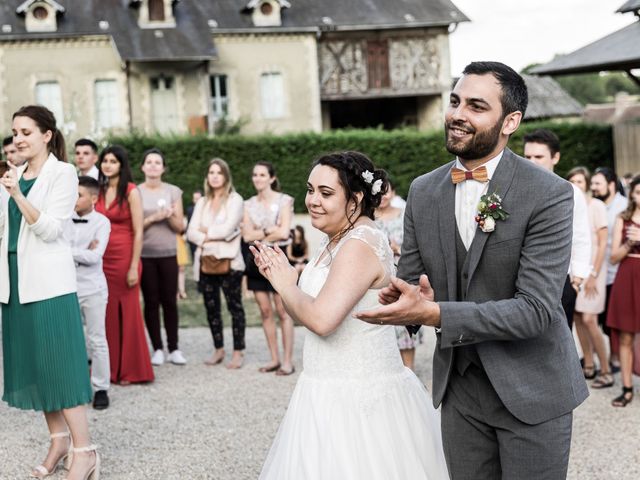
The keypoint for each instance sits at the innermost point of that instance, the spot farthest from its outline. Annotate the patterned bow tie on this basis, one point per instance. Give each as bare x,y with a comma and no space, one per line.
480,174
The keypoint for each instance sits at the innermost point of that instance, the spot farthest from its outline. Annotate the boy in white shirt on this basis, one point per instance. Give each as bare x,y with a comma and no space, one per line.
88,233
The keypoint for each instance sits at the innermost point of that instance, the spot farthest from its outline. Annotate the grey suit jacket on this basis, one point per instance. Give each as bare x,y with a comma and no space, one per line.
512,311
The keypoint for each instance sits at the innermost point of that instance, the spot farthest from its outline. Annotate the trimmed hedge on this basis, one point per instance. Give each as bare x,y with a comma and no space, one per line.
405,154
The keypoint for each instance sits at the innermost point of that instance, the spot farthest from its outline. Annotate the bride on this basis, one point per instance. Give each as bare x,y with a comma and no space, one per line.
356,412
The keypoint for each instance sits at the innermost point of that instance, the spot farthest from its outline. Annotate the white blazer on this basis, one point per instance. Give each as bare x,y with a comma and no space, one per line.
45,263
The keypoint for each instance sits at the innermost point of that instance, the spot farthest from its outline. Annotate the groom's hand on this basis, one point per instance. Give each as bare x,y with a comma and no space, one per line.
414,305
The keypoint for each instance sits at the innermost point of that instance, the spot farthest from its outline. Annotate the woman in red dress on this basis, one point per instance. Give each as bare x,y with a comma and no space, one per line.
624,305
120,202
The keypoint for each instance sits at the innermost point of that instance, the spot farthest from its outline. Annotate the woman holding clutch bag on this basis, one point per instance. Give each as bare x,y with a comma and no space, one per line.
218,263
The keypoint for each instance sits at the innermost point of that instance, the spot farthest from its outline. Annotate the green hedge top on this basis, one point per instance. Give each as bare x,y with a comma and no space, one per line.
405,154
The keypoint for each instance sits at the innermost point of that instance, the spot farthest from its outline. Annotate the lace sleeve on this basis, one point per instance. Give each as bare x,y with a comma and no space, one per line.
377,240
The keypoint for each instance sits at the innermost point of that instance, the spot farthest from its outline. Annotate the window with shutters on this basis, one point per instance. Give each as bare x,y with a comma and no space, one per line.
272,95
49,95
219,98
107,110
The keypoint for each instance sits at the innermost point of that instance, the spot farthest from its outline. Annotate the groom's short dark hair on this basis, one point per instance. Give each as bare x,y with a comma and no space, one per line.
514,90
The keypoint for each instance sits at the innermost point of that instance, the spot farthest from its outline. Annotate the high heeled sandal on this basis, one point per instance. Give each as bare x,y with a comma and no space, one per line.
623,400
94,472
42,472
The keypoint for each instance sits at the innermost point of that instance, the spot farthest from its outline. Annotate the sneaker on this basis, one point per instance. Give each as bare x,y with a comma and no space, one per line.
177,358
101,400
157,358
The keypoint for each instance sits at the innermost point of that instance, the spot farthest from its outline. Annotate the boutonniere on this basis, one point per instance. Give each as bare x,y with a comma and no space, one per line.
489,211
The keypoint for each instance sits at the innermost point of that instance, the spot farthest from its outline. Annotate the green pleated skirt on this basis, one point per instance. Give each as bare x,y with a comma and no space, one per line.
45,358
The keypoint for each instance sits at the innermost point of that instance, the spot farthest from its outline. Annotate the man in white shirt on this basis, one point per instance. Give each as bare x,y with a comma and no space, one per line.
543,148
604,186
86,153
88,234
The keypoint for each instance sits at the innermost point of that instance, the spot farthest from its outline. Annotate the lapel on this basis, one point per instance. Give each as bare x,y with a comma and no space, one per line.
500,183
40,186
447,223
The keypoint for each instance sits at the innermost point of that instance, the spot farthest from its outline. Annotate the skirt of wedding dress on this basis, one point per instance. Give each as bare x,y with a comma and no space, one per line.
382,428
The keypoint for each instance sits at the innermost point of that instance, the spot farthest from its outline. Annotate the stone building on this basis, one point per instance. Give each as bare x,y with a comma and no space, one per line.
183,65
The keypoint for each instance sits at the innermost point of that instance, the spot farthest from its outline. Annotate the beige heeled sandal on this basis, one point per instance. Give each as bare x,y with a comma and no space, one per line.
94,472
41,471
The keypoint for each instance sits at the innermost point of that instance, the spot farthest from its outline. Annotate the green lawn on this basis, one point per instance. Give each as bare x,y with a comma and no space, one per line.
192,312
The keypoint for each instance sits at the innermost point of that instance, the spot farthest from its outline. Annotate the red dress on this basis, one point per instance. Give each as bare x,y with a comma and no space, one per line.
128,349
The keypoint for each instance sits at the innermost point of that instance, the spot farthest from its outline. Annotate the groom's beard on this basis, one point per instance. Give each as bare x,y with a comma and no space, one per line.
478,146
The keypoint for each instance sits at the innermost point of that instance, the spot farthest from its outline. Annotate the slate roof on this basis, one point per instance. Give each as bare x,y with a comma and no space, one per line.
344,14
196,20
547,99
190,40
629,6
617,51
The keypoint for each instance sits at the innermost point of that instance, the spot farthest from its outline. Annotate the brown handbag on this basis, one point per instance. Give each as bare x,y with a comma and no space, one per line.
211,265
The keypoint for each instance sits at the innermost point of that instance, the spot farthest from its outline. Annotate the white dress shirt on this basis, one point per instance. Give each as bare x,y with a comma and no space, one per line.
581,244
89,274
615,208
468,195
93,173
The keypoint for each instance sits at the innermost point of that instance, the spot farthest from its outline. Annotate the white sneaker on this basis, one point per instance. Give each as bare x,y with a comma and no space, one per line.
157,358
177,358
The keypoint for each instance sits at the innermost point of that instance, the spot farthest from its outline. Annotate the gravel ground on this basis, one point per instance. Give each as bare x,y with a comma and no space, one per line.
199,422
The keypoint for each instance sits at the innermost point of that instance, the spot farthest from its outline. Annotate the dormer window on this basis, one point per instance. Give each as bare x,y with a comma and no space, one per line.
155,13
266,13
40,15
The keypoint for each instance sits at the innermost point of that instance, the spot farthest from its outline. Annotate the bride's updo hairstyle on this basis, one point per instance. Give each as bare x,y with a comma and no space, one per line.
357,174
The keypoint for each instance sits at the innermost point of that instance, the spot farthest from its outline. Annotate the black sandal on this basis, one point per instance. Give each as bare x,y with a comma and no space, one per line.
623,400
603,380
589,372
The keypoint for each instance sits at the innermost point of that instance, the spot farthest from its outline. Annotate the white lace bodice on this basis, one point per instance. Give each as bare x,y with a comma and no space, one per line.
355,349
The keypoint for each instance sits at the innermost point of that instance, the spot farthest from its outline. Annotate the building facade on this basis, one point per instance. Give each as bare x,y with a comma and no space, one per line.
169,66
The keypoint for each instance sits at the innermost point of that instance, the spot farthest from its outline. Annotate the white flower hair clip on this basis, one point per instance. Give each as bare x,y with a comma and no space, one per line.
367,176
376,187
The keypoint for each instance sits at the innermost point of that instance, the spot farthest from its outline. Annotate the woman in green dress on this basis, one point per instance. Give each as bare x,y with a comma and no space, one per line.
45,361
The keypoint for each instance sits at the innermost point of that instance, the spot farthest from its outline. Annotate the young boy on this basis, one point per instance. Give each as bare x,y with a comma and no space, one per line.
88,234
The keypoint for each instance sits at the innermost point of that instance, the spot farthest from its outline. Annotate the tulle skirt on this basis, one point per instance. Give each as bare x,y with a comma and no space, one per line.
385,428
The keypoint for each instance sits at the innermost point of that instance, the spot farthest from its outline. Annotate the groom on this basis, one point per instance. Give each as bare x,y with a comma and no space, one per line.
505,366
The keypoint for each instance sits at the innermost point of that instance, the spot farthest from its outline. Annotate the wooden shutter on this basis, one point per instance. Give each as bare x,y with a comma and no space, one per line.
378,63
156,10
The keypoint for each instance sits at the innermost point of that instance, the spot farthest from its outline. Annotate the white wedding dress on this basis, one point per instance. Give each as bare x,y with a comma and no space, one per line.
356,413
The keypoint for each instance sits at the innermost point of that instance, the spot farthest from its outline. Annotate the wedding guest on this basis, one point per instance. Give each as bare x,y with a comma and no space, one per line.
624,310
390,220
590,301
215,229
44,355
163,220
298,250
267,218
120,202
543,148
604,186
86,153
88,234
10,152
